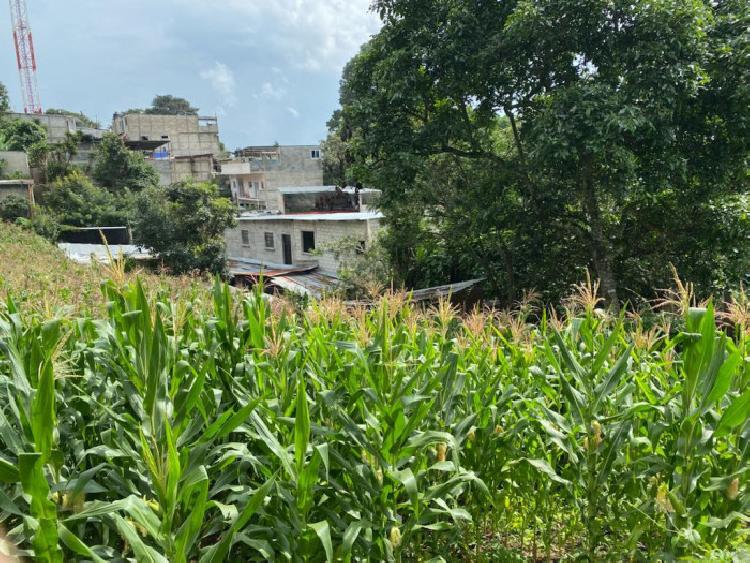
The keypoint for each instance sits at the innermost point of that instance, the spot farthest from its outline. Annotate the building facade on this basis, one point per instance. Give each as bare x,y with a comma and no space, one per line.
256,173
308,227
59,125
180,147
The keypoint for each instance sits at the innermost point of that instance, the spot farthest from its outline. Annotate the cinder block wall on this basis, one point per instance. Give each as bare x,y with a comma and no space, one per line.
15,161
327,233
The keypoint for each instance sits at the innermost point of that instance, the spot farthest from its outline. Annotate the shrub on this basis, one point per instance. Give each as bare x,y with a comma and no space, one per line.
13,207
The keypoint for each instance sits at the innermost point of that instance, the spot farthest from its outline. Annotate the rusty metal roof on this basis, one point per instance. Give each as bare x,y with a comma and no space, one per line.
314,284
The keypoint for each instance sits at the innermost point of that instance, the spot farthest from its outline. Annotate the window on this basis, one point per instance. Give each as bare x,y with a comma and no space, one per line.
308,241
315,153
361,247
245,238
268,237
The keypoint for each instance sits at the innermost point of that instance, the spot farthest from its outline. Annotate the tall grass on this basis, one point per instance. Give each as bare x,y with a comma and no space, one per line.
181,430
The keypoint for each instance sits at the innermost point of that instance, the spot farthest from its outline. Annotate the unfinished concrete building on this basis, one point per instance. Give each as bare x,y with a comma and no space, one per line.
58,125
178,146
256,173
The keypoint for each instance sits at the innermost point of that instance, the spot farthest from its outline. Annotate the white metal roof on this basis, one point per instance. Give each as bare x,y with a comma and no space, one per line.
288,190
87,253
331,216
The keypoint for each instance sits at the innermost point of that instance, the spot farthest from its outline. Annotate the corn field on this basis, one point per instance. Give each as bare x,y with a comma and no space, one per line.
244,429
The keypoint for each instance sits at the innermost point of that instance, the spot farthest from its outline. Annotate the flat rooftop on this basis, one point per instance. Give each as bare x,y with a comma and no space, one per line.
313,216
289,190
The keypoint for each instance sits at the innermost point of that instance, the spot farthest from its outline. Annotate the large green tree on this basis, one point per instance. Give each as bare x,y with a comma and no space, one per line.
171,105
527,140
75,201
116,167
20,134
184,224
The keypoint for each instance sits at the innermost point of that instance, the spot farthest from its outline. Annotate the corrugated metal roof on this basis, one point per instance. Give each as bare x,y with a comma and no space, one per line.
443,290
86,253
243,268
313,284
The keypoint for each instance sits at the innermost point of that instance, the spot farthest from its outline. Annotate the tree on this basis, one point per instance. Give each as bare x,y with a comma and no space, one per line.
4,100
82,118
116,167
184,224
20,134
75,201
171,105
535,132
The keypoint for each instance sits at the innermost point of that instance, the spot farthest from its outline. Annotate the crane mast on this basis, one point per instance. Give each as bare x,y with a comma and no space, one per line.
25,55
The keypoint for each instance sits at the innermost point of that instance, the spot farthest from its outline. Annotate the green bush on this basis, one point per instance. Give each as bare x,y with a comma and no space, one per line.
13,207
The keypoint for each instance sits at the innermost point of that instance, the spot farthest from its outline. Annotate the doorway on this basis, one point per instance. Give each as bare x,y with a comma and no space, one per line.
286,248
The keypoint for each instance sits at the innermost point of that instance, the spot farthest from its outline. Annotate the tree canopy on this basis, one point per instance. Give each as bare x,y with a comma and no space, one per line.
184,224
20,134
169,105
116,167
528,140
75,201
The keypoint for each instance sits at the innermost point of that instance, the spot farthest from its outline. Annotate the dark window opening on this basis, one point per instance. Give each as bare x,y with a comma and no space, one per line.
245,237
308,241
269,240
361,246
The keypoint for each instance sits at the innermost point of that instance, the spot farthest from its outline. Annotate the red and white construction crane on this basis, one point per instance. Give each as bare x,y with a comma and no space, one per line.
25,55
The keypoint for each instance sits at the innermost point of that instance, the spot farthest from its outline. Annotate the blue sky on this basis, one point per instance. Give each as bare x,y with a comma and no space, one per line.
268,68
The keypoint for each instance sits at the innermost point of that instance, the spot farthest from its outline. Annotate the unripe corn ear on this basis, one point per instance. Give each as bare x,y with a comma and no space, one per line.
395,536
733,489
442,448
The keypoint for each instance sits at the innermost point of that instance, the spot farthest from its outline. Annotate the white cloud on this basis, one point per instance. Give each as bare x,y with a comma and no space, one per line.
271,92
222,81
309,34
293,111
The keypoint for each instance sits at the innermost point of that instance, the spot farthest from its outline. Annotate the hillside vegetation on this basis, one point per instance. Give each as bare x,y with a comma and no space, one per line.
236,429
39,275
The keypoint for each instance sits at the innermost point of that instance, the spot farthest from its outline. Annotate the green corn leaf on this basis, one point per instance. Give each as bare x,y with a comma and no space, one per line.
8,472
301,425
73,543
220,551
324,533
35,485
735,415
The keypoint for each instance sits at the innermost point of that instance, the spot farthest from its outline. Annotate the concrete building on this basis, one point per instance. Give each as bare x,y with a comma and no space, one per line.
177,135
283,241
58,125
178,146
256,173
15,162
305,231
19,188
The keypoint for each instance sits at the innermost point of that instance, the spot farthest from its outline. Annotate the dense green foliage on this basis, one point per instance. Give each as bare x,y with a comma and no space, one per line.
116,167
75,201
12,207
173,431
184,224
168,105
510,136
20,134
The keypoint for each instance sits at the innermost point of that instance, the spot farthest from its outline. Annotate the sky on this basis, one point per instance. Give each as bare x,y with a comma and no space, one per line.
269,69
